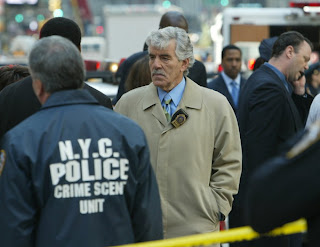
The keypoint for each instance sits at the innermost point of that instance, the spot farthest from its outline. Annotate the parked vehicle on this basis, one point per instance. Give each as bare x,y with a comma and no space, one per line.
108,89
21,45
127,27
93,50
247,27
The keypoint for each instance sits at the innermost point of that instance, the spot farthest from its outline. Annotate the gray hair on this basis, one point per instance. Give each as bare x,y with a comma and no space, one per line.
160,39
57,63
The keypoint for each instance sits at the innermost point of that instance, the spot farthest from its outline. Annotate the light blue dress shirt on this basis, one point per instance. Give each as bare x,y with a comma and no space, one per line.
228,81
175,94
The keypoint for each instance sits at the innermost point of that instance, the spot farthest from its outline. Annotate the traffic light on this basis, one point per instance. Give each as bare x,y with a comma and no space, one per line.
166,4
99,29
57,13
224,3
19,18
40,17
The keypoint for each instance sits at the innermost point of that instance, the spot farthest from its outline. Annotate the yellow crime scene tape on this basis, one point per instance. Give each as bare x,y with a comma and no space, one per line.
245,233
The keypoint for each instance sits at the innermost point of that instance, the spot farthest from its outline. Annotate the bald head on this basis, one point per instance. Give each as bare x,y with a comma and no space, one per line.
173,19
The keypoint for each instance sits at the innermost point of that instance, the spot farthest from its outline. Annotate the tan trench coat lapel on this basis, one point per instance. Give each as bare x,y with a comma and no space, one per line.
151,99
192,97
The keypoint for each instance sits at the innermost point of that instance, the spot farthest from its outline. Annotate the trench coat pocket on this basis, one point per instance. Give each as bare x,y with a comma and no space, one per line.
213,206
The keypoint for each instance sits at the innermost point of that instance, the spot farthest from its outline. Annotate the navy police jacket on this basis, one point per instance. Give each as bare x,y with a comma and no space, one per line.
77,174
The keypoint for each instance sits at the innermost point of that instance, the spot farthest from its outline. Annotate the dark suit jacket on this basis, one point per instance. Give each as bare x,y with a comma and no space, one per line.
197,73
218,84
18,101
286,189
268,117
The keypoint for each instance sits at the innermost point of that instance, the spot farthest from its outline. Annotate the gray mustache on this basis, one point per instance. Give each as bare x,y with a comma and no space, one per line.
157,72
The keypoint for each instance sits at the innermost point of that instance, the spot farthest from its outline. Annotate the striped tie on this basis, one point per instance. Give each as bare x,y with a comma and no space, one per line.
166,107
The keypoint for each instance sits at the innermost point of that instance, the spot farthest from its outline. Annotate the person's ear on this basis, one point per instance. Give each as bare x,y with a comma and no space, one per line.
39,91
289,51
185,64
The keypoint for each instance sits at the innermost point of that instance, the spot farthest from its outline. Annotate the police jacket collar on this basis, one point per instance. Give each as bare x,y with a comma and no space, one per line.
69,97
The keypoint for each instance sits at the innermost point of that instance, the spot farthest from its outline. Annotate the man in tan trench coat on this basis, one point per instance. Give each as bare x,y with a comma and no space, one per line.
196,154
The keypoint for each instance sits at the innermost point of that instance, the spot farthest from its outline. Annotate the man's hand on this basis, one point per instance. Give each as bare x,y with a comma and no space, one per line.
299,86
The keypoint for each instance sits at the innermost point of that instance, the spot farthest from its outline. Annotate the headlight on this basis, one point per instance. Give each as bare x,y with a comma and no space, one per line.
114,67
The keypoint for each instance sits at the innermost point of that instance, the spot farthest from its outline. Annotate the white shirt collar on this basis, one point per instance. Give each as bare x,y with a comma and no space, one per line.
228,80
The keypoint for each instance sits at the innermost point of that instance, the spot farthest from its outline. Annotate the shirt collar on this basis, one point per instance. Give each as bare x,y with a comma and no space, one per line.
175,93
279,74
228,80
